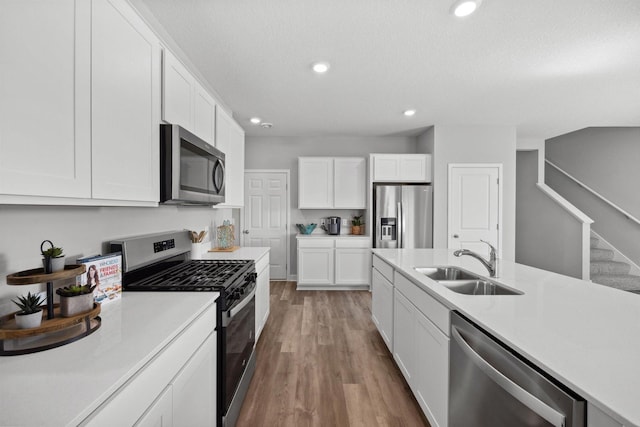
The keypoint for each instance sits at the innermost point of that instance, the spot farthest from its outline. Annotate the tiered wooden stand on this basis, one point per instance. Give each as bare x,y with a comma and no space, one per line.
54,330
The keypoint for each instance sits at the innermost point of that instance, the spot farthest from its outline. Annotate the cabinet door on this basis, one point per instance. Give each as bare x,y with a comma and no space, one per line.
414,168
350,183
204,119
230,140
315,182
386,168
45,98
432,378
194,388
125,98
382,306
262,300
315,266
404,345
353,266
177,92
160,414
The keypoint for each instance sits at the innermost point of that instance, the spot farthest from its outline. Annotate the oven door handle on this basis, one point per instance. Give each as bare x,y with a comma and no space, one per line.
238,308
545,411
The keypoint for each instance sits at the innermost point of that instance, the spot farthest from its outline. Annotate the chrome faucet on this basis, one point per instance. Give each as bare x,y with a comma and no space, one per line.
491,265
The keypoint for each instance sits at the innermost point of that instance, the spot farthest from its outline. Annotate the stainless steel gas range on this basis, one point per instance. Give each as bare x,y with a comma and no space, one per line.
161,263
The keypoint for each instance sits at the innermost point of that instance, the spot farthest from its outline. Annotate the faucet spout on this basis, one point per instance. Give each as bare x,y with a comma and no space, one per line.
490,264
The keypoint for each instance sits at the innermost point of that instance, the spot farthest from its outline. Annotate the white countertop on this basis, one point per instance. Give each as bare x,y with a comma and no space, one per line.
62,386
331,236
585,335
245,252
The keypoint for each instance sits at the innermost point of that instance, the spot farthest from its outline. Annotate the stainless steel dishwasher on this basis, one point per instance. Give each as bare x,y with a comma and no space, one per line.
491,386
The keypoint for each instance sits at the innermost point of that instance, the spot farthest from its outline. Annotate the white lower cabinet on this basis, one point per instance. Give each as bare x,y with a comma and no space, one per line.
182,373
160,414
262,294
597,418
334,263
382,306
404,345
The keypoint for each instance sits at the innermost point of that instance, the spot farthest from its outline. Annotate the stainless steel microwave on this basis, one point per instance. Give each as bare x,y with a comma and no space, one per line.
191,170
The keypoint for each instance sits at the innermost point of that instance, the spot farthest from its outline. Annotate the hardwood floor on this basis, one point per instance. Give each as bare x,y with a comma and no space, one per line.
321,362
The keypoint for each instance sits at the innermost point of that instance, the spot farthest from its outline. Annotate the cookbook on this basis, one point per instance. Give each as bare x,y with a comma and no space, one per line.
105,272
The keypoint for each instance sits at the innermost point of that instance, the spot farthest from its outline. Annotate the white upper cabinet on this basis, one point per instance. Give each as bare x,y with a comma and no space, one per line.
315,182
230,140
178,91
125,84
204,115
45,98
185,101
350,183
401,167
328,182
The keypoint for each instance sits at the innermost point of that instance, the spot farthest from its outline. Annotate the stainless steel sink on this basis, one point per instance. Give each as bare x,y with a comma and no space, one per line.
478,287
446,273
464,282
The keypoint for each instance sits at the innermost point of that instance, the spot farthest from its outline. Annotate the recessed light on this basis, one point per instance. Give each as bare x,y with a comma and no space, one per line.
266,125
256,120
462,8
409,113
320,67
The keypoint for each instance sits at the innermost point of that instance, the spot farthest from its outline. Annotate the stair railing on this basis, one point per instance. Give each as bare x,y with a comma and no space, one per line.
624,213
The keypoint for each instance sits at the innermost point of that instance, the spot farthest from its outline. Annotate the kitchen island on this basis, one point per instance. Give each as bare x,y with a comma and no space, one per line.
580,333
68,385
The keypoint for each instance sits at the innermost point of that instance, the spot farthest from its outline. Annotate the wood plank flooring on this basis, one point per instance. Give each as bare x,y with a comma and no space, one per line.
321,362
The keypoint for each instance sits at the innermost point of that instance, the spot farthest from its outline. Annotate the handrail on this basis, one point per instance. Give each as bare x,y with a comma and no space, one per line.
564,203
595,193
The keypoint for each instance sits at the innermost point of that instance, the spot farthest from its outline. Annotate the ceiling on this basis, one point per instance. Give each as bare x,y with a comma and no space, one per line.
547,67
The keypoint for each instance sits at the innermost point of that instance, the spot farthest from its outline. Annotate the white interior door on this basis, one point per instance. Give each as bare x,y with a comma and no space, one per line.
265,216
475,207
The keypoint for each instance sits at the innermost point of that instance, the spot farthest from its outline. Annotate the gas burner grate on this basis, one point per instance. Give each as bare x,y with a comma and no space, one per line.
195,275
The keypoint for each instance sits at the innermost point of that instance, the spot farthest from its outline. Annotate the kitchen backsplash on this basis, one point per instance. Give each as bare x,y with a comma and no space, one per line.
83,231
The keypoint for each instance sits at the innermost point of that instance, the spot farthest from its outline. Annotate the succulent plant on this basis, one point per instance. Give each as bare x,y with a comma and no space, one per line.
74,290
356,221
53,252
29,303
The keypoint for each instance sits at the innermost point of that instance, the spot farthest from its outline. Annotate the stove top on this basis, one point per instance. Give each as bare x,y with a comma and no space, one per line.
196,275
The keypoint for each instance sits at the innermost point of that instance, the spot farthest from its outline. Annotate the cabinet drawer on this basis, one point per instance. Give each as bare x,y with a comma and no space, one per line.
385,269
353,243
315,243
432,309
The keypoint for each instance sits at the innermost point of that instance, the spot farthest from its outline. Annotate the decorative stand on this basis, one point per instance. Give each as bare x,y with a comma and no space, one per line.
55,330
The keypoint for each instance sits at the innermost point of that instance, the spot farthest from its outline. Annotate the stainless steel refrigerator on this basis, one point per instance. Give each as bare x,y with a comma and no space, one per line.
403,216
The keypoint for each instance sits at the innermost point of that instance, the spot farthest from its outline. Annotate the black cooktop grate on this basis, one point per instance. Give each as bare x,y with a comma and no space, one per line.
195,275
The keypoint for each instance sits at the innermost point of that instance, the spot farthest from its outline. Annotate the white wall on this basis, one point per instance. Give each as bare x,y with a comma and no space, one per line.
472,144
283,153
547,236
82,231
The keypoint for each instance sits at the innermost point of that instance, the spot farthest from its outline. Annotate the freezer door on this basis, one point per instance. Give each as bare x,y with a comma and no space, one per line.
416,220
387,199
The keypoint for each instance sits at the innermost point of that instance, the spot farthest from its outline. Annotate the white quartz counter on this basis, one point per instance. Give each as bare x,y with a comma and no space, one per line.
61,386
585,335
331,236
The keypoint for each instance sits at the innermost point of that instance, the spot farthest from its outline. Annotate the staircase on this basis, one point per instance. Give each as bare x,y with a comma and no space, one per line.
606,271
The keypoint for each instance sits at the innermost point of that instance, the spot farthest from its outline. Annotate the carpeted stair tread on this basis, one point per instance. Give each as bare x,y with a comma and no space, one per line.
625,282
594,242
601,254
609,267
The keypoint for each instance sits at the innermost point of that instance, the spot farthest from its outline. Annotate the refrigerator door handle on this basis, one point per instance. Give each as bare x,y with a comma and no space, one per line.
400,226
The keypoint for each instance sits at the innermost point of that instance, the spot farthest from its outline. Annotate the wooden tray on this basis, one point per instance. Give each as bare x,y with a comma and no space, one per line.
51,333
231,249
37,275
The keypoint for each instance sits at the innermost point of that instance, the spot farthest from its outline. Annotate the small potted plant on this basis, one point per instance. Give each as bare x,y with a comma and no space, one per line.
53,258
75,299
30,314
357,226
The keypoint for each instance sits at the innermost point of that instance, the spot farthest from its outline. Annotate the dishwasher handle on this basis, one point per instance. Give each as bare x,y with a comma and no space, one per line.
530,401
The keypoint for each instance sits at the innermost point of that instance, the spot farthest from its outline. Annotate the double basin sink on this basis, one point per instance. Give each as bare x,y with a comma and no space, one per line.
464,282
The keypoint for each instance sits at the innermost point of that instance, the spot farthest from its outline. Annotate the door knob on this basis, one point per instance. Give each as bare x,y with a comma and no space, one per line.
245,231
455,236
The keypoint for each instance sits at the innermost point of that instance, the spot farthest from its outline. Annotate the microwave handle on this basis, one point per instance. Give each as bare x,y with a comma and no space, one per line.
217,187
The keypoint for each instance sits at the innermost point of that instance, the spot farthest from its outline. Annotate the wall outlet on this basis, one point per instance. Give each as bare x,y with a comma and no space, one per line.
344,222
322,221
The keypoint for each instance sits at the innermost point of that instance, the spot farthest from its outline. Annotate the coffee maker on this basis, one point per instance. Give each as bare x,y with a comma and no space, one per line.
332,225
